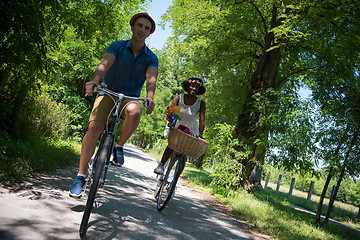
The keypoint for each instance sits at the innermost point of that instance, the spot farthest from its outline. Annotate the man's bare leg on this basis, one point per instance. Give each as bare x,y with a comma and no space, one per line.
87,150
131,122
89,144
132,114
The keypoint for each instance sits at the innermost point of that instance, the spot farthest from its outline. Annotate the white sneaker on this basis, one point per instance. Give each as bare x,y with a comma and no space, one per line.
159,169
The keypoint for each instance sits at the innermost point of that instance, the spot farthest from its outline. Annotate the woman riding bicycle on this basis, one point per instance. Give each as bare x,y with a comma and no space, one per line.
190,108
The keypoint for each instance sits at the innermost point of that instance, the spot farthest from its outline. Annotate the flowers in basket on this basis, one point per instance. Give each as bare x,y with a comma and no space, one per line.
185,129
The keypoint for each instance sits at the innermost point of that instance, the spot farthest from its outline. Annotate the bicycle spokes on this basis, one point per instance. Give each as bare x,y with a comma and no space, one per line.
168,183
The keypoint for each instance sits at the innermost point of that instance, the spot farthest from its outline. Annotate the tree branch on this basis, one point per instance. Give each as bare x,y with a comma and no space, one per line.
261,16
250,40
284,79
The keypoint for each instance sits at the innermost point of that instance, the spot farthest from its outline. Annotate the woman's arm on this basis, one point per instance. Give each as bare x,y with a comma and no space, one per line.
202,118
176,100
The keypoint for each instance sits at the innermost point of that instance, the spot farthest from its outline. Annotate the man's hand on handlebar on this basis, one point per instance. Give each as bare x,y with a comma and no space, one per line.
151,105
89,88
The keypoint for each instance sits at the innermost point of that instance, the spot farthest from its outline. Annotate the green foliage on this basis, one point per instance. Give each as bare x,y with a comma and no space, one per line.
354,193
291,134
151,127
22,158
61,47
229,44
226,176
39,115
45,116
76,107
223,158
341,212
49,49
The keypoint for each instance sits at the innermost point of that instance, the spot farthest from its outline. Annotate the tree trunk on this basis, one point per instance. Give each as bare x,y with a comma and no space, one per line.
251,129
322,197
198,162
255,175
342,173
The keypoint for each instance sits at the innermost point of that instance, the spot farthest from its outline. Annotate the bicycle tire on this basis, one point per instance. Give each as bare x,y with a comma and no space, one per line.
165,193
98,170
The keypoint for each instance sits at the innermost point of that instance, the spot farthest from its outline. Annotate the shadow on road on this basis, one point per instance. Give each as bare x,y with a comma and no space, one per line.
125,208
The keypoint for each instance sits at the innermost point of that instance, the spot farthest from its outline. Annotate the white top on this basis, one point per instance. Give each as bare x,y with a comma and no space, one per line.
188,115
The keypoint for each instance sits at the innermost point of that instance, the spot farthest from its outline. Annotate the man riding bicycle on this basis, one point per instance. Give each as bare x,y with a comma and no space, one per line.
124,68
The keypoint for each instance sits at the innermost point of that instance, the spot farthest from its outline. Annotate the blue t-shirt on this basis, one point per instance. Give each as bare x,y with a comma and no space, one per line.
127,74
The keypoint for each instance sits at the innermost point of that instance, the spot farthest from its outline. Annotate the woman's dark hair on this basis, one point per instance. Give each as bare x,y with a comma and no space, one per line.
186,84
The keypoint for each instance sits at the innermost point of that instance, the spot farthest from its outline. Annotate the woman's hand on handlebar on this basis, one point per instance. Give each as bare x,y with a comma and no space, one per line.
89,88
151,105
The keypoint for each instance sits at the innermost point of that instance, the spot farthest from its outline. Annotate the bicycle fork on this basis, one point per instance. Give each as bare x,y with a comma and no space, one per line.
164,178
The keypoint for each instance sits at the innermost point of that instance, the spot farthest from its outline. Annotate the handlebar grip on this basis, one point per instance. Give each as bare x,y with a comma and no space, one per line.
99,86
146,103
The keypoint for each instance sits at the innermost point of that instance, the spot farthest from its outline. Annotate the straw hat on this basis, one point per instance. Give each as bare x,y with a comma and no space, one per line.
145,15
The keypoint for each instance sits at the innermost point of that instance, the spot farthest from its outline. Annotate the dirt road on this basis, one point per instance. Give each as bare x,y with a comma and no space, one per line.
125,209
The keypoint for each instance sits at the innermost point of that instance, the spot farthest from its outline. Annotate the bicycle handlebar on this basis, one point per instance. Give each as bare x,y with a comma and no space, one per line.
103,88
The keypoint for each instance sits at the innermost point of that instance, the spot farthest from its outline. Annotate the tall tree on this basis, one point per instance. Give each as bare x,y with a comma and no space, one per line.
330,175
256,48
342,173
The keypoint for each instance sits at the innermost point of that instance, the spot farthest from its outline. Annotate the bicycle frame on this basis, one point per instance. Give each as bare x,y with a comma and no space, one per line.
110,128
98,167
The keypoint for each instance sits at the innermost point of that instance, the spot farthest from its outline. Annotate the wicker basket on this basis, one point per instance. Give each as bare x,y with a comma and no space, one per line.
186,144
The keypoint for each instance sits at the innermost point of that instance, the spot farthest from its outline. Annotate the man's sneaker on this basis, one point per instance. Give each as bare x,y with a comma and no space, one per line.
159,169
77,187
118,159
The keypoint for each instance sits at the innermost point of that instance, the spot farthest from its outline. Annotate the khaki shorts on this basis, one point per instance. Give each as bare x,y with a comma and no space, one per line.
103,105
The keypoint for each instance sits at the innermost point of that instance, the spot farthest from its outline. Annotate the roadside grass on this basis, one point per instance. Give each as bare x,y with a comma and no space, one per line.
271,213
22,158
342,212
156,153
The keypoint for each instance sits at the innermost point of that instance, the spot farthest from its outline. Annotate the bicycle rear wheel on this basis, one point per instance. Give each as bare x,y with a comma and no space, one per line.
98,167
168,183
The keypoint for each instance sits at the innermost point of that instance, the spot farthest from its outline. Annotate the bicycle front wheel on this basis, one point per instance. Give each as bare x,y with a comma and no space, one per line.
98,167
169,181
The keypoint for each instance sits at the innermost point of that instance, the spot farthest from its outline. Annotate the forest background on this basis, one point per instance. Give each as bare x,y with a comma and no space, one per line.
253,56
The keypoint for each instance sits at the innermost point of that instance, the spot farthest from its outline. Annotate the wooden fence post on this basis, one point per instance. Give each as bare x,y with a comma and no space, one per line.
310,191
278,184
291,187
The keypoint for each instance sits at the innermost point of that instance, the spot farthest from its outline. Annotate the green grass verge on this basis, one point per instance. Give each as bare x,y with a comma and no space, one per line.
271,213
23,157
341,212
